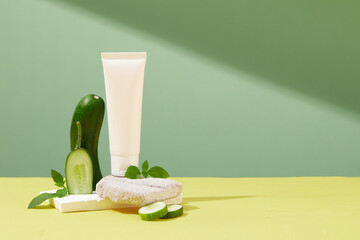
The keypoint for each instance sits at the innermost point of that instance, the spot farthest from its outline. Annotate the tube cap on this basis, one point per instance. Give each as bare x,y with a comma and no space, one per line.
119,164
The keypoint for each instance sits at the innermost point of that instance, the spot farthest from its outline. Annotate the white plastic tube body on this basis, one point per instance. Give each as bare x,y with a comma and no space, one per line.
124,79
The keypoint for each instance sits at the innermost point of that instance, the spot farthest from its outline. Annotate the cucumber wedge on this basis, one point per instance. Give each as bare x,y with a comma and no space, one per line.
174,211
78,172
79,169
153,211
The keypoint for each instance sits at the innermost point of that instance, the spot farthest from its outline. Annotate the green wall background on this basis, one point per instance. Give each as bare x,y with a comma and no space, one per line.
235,88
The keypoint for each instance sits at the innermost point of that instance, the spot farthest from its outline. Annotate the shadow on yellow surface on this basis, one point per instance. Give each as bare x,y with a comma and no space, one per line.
43,207
206,199
187,200
127,210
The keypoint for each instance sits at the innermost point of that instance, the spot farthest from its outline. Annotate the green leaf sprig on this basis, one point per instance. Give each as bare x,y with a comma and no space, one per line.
133,172
59,182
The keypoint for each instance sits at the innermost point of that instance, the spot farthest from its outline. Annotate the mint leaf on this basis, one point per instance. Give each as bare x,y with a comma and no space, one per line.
61,193
58,178
145,166
145,174
40,199
132,172
60,184
158,172
59,181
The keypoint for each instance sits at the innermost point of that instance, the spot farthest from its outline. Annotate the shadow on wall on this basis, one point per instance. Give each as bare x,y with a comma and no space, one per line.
308,46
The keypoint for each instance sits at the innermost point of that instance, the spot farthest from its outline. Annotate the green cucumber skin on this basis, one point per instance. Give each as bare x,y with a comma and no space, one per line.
90,112
154,216
174,214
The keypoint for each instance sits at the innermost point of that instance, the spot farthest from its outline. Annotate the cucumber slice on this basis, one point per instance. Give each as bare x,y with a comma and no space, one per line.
174,211
153,211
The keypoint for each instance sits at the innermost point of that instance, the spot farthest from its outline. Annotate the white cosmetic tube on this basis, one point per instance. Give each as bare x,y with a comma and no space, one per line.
124,80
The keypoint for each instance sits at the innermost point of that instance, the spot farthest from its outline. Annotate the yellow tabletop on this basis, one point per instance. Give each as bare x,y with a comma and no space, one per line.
214,208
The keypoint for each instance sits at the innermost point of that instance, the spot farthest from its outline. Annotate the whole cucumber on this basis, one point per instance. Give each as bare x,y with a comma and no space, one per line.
90,113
